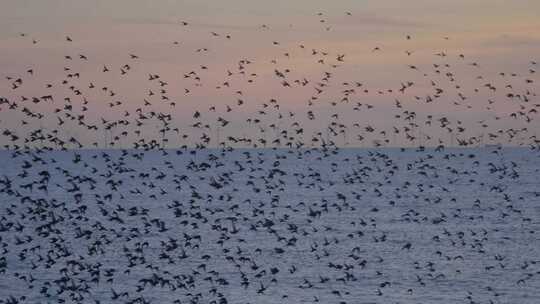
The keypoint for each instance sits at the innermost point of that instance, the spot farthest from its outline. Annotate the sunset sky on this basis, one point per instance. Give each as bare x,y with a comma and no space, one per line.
500,36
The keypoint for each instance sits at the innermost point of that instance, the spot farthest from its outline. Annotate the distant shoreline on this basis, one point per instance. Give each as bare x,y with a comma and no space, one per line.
188,149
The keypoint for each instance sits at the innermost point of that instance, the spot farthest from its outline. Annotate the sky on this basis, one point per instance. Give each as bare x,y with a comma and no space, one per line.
500,36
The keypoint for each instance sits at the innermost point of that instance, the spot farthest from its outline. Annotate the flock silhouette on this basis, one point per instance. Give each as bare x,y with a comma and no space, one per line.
108,200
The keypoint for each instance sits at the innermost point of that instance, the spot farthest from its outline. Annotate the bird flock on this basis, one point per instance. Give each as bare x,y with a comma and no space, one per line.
357,193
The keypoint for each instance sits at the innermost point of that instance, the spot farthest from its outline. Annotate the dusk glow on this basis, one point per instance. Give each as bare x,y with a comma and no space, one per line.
498,36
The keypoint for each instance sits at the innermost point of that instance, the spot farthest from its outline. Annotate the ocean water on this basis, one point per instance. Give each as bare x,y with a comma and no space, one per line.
270,226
